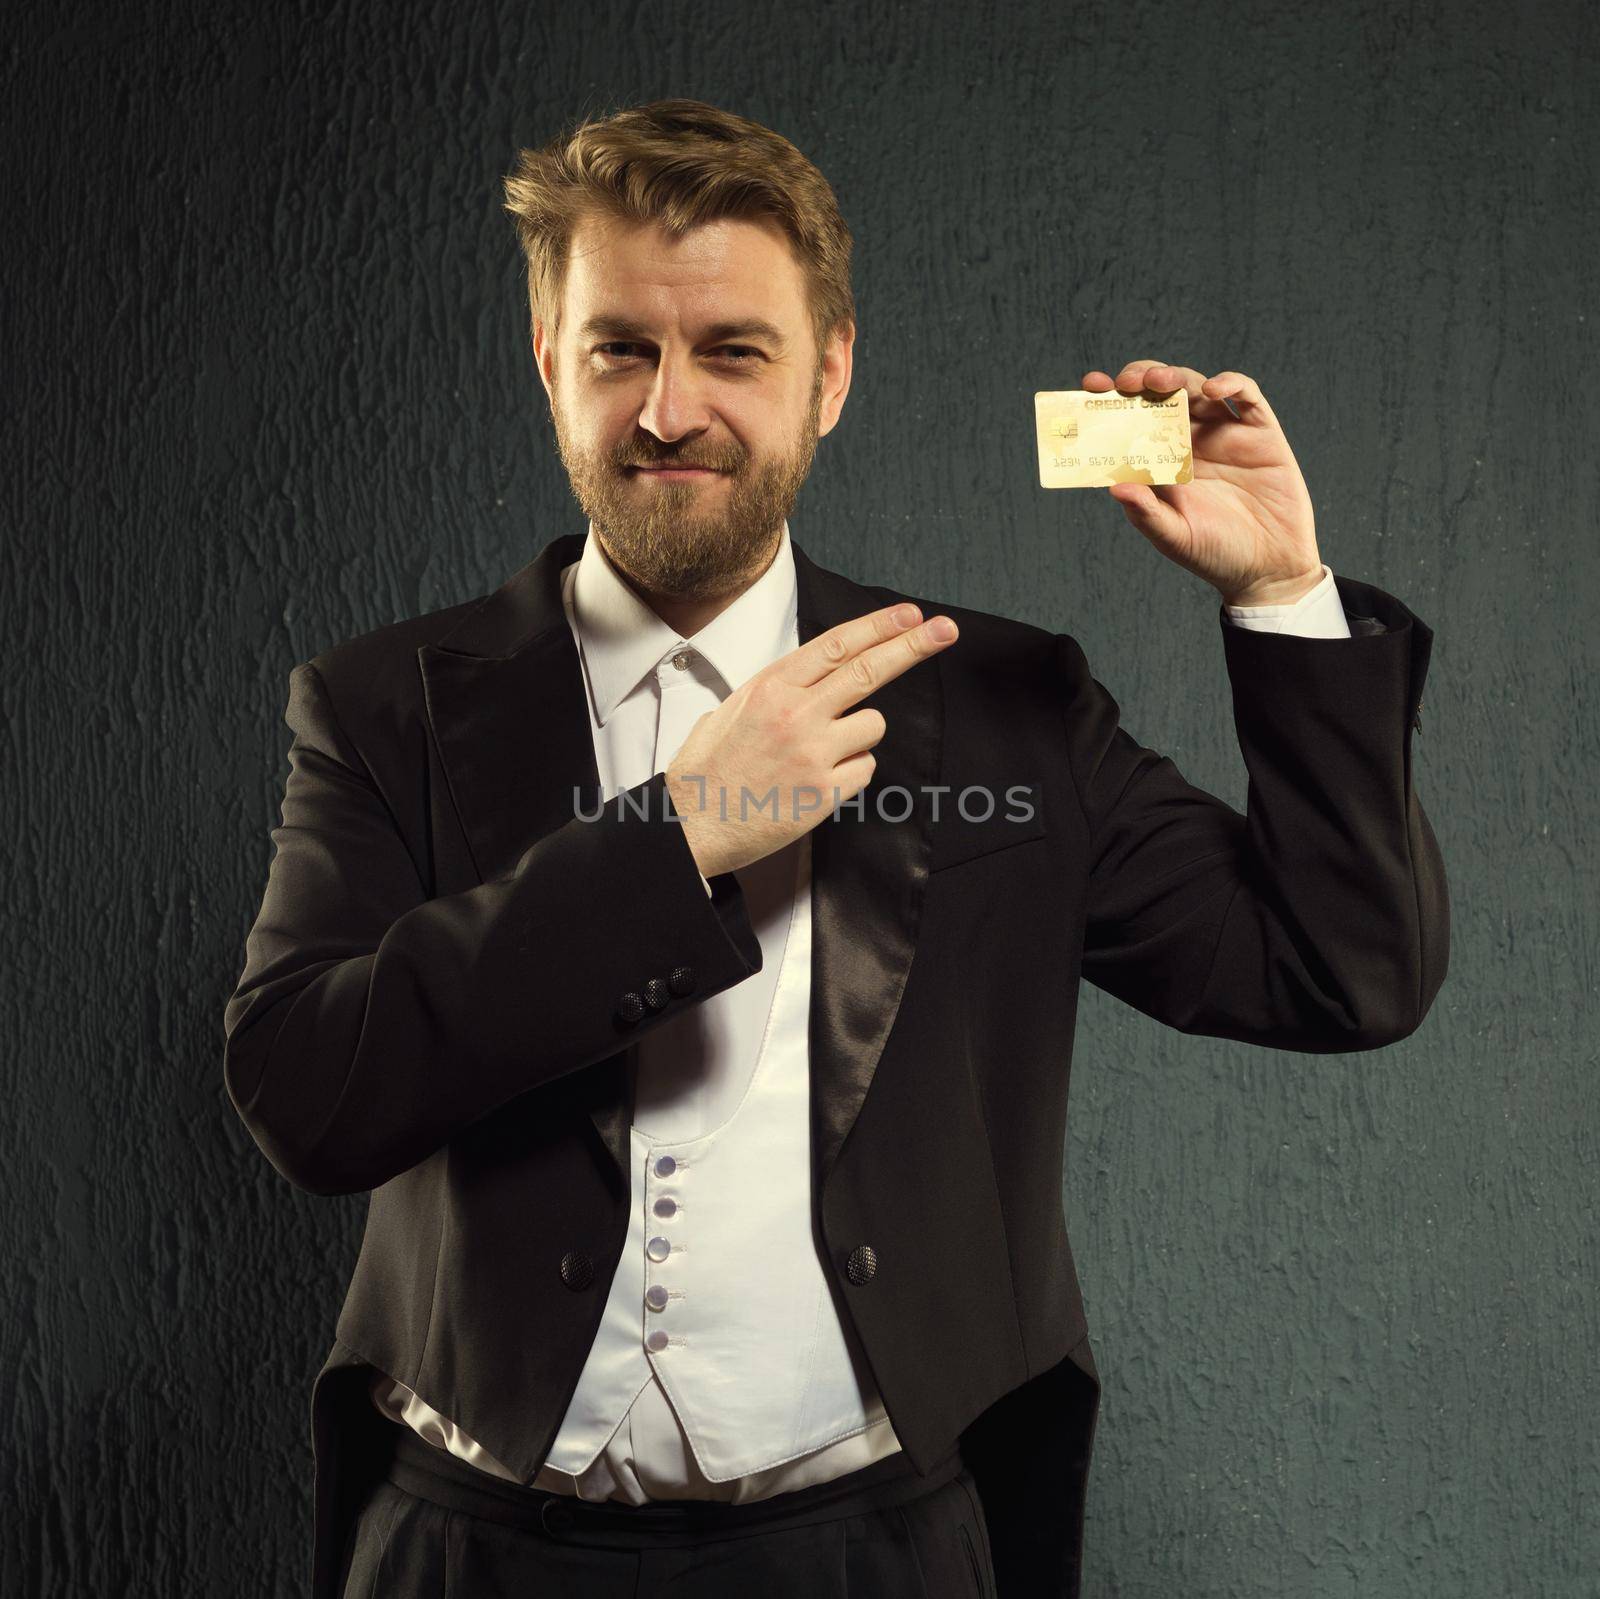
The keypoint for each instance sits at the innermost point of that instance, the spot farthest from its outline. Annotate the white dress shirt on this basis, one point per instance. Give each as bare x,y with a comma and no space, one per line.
646,687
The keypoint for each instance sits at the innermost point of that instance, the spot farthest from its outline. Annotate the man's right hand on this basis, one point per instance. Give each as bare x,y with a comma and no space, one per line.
780,737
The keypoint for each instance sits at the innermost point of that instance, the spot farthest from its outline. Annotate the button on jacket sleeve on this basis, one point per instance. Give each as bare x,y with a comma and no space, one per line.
1319,920
372,1023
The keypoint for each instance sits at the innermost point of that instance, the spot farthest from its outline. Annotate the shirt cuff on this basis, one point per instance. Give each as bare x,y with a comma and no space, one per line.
1318,613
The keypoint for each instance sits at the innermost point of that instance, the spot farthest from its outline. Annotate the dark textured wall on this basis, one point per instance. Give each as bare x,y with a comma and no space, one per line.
267,384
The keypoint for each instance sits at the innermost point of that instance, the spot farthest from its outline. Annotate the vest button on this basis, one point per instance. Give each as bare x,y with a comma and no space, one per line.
656,1297
629,1009
656,1340
666,1206
863,1262
577,1270
556,1517
682,980
658,1249
666,1166
656,994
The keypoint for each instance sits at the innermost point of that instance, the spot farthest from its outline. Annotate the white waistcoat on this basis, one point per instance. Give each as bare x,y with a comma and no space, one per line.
720,1278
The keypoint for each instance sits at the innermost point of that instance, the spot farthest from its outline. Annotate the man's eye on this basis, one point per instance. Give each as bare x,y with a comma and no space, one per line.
750,353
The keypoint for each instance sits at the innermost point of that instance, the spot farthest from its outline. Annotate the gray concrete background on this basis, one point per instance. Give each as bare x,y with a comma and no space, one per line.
268,385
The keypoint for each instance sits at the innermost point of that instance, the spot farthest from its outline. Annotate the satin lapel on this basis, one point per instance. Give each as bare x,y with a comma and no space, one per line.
506,702
869,876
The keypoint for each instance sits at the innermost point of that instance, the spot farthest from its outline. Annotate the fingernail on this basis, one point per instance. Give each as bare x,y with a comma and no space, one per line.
942,628
906,616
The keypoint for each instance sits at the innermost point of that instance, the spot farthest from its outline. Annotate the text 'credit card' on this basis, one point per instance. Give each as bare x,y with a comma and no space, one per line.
1089,440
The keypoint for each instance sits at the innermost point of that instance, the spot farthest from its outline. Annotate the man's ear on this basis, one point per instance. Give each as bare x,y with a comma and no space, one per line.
543,356
837,367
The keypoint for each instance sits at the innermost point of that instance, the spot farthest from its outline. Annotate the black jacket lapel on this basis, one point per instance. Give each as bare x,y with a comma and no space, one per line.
868,875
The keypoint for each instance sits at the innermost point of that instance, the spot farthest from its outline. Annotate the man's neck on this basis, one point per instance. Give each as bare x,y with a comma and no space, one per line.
687,617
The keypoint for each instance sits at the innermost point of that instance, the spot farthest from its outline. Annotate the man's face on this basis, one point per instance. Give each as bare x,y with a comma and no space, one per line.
647,370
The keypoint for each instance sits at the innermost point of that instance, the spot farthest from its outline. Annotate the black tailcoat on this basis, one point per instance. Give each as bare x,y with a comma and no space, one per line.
428,1006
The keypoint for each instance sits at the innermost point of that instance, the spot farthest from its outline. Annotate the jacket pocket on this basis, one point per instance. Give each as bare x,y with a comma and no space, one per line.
959,842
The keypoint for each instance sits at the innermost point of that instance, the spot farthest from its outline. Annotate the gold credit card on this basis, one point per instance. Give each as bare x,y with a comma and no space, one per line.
1090,441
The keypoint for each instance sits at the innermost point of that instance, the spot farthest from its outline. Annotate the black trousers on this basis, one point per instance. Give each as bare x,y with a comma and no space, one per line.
434,1527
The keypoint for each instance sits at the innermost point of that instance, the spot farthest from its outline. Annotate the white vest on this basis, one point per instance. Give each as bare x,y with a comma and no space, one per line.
714,1284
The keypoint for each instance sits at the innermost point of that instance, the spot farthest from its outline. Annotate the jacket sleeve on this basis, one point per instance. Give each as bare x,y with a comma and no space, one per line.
371,1023
1318,921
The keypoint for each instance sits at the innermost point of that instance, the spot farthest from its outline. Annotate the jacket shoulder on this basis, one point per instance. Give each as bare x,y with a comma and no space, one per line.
375,672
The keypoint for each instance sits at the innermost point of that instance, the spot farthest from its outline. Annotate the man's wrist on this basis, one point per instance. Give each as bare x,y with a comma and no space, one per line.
1276,591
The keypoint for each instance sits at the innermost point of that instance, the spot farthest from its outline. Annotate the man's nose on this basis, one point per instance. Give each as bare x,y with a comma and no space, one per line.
677,403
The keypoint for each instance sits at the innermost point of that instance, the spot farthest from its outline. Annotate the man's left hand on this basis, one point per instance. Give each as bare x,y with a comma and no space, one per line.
1244,522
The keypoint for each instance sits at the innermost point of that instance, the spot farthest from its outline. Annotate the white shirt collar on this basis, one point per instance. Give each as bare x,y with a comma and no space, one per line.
620,638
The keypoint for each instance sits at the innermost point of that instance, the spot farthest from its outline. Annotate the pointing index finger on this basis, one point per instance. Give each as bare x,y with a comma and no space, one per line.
888,645
859,674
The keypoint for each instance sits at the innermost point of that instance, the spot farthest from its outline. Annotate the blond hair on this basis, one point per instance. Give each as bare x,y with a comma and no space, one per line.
677,163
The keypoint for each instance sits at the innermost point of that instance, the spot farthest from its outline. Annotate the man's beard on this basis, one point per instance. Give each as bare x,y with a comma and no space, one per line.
686,538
